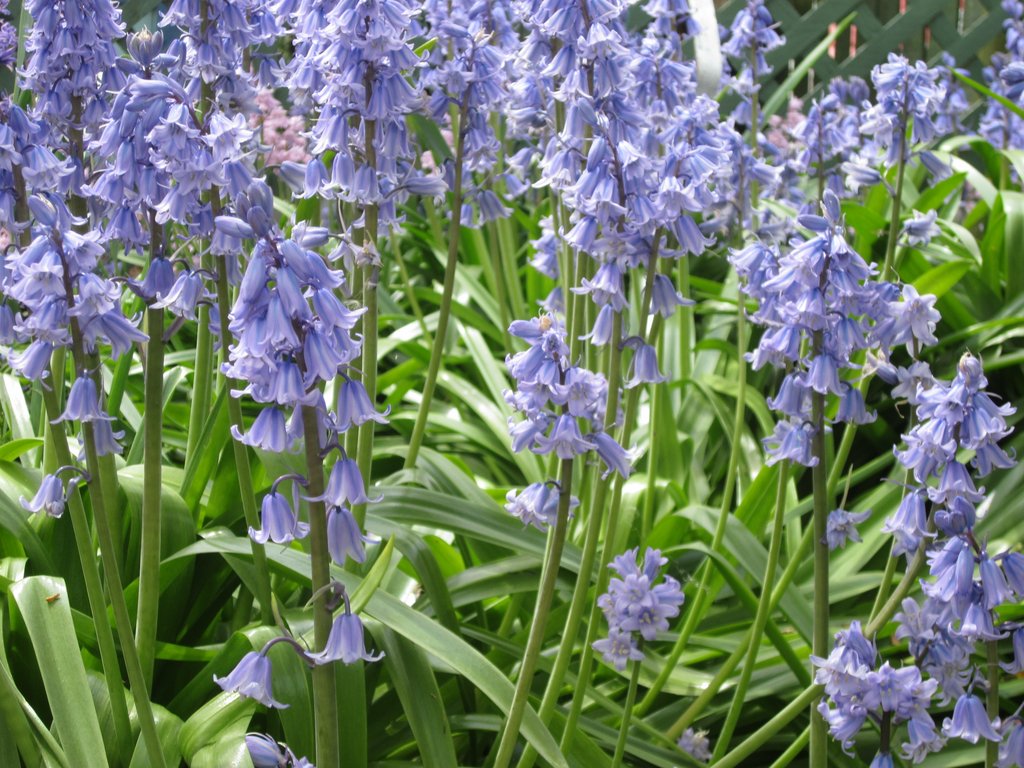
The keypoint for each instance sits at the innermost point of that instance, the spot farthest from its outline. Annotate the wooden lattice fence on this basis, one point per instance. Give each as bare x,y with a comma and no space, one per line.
970,30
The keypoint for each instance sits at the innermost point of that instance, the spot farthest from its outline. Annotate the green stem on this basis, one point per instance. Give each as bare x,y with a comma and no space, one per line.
91,575
152,482
246,489
324,694
444,313
685,322
811,693
627,711
545,595
611,526
793,749
122,620
581,591
888,265
149,558
992,699
760,618
697,707
820,635
700,595
371,276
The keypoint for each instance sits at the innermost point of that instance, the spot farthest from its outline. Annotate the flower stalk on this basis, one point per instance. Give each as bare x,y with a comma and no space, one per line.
545,595
445,310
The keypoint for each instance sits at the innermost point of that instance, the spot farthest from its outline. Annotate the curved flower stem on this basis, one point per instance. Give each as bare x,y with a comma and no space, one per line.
245,485
760,618
811,693
445,310
627,711
91,575
545,595
325,705
152,489
700,595
992,699
820,635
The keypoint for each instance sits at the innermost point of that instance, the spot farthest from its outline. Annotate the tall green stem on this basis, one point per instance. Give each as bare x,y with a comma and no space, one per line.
820,631
324,694
577,605
370,278
444,312
91,574
611,526
753,742
627,711
700,595
888,267
760,618
992,699
534,643
152,488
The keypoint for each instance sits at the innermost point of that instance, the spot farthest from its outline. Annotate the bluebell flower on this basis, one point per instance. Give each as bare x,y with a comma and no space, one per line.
695,744
842,527
921,228
345,642
537,504
969,721
345,486
82,403
269,432
636,603
49,498
344,539
618,648
1011,750
279,521
264,751
251,679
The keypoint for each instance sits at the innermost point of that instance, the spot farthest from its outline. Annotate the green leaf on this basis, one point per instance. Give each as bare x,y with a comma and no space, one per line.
16,448
421,630
417,689
986,91
216,731
15,519
52,632
939,280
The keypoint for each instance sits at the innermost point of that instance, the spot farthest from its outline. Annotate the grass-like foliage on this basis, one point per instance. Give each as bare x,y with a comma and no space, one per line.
392,384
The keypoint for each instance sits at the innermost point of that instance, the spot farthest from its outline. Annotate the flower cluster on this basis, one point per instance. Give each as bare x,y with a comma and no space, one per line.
636,603
556,397
820,307
293,334
857,689
71,63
